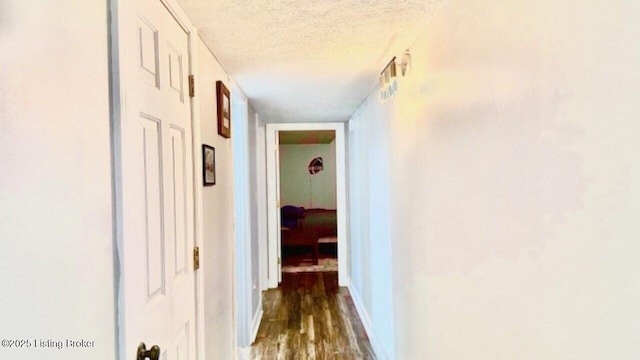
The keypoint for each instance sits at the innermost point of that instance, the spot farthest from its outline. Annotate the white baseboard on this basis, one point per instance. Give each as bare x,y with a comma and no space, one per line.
256,323
368,325
244,353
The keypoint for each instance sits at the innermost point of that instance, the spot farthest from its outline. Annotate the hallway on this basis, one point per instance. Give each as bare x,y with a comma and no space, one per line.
486,162
310,317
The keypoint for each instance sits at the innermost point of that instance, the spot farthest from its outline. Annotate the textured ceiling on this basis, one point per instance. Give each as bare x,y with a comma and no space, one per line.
306,137
304,60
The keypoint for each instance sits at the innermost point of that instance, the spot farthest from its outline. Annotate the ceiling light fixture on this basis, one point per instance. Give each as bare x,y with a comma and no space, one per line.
405,65
388,81
389,76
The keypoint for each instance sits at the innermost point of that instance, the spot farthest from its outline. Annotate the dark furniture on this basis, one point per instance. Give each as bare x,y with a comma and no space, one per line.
322,222
301,239
291,216
302,228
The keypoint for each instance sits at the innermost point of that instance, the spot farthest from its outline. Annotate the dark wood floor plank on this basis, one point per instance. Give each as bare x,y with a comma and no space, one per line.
310,317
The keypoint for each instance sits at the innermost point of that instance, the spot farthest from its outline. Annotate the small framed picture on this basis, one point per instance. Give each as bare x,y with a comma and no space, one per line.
224,110
208,165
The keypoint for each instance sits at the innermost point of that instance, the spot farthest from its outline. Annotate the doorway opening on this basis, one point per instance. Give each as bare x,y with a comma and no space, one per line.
306,192
308,202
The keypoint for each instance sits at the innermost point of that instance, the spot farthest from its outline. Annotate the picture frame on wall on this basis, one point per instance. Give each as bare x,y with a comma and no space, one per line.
208,165
224,110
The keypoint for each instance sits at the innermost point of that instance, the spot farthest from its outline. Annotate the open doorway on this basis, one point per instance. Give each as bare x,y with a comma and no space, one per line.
308,201
306,191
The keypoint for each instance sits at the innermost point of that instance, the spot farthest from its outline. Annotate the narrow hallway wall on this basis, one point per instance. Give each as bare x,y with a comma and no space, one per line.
369,222
221,242
515,183
56,215
218,239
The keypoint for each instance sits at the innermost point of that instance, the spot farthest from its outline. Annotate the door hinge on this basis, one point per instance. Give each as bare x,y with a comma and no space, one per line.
279,261
196,258
192,86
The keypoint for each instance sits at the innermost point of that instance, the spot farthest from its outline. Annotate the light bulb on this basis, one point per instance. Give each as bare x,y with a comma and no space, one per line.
405,65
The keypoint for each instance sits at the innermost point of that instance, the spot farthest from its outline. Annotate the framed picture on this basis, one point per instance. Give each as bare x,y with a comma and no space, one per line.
224,110
208,165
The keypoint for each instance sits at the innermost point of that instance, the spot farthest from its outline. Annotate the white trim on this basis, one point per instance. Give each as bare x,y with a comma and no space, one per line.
257,319
272,216
341,194
181,17
198,200
376,344
261,201
242,228
244,353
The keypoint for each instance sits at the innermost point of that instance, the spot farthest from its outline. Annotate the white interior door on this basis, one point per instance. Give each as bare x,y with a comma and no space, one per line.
155,183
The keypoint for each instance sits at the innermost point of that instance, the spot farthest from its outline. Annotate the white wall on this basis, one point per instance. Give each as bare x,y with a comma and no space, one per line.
369,223
218,237
56,222
297,186
255,211
229,249
260,201
258,195
515,184
242,217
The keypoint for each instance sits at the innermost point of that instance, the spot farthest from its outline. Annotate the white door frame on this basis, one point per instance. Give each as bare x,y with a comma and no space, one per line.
242,220
119,9
273,208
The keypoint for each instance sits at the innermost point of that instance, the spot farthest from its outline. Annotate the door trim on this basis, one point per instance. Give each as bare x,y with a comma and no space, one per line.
341,195
118,10
242,220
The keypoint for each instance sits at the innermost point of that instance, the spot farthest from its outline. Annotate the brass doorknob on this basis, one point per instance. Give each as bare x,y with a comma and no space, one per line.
151,354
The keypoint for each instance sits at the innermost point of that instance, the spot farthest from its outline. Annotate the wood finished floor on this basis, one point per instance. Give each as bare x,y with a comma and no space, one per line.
310,317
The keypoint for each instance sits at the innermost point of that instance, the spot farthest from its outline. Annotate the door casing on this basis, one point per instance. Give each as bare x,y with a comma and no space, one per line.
273,211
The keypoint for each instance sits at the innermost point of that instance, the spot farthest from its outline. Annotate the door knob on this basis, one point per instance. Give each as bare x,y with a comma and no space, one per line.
151,354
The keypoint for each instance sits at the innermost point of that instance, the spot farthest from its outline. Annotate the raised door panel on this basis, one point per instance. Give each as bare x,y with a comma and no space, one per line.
153,209
175,72
148,52
178,201
182,340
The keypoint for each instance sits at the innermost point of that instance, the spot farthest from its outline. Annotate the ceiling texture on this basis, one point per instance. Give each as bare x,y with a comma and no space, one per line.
308,60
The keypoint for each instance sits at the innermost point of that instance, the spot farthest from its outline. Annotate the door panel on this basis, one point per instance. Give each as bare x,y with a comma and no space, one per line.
175,72
154,222
182,343
179,196
148,49
155,185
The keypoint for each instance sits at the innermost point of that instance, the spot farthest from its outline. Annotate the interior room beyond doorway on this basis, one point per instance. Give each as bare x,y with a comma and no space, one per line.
307,165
